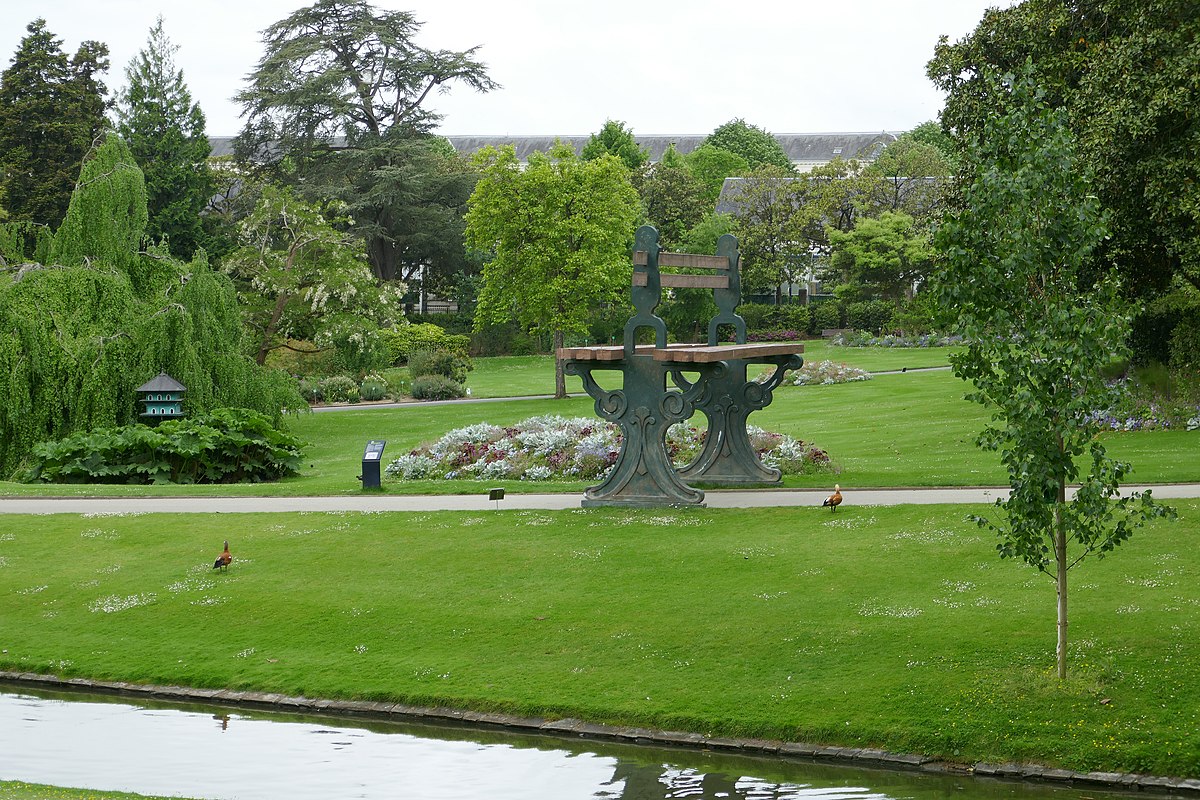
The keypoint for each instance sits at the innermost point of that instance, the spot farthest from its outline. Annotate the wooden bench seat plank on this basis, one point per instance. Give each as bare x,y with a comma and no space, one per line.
690,260
614,352
707,354
678,281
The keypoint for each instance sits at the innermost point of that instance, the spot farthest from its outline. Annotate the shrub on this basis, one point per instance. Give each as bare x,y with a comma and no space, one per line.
398,384
774,336
311,390
436,387
450,364
402,340
1185,343
358,348
826,315
302,358
919,315
870,315
373,387
761,317
340,389
228,445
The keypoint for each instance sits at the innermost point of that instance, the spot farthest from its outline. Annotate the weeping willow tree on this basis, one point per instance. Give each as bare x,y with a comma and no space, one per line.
80,333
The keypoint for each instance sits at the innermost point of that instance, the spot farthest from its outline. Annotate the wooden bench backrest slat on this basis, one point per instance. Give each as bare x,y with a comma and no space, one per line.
685,281
688,260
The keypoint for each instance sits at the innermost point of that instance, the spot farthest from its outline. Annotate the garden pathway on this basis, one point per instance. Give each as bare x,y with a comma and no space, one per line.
480,502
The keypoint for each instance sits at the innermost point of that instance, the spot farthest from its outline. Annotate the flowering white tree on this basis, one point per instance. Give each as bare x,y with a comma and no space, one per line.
302,277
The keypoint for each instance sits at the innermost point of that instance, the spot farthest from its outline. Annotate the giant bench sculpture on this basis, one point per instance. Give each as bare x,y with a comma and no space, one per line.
645,407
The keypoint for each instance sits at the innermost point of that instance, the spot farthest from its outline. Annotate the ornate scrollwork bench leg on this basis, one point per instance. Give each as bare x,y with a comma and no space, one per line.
728,457
644,408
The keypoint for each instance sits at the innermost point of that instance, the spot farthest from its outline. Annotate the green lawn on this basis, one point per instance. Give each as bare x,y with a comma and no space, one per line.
887,627
909,429
523,376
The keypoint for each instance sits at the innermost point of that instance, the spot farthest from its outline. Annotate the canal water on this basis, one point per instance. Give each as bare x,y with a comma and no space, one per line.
116,744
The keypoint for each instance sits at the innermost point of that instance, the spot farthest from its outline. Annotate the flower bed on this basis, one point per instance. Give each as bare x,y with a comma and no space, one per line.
557,448
1136,410
825,373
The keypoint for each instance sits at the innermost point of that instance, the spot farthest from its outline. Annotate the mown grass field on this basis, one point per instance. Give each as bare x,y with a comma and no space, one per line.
911,429
886,627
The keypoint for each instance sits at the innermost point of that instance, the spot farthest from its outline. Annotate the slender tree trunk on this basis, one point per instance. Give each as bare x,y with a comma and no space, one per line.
264,347
560,377
1060,559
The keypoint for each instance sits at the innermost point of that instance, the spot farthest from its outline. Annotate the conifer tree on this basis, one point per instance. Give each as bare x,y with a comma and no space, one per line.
165,131
51,109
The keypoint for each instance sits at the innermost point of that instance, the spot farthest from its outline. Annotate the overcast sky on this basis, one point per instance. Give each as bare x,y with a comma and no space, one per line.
660,66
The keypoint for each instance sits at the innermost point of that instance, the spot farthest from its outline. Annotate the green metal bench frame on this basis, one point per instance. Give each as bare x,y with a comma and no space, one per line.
645,407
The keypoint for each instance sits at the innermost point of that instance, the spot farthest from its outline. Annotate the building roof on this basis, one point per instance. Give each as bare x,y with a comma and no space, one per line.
801,148
162,383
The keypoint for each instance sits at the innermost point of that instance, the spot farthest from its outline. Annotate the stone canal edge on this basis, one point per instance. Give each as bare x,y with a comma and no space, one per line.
861,756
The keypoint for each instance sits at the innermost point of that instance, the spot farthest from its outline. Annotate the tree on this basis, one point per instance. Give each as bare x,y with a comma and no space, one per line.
558,235
302,277
777,222
51,109
1125,72
339,100
751,143
615,139
882,257
674,201
913,177
1041,325
712,165
106,219
165,131
78,337
407,197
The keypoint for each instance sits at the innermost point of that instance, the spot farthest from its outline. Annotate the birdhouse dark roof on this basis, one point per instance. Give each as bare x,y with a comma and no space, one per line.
162,383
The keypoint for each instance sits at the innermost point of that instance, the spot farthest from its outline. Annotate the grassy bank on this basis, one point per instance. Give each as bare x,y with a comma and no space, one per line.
884,627
19,790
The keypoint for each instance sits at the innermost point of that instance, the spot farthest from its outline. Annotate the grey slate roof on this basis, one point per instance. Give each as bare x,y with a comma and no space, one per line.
162,383
802,148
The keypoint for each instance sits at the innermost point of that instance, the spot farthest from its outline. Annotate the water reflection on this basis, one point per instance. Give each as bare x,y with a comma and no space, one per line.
115,744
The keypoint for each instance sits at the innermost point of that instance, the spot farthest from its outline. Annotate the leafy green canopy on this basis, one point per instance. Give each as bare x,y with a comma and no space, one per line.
557,233
303,278
616,139
750,142
337,107
1041,327
107,216
77,338
882,257
1125,73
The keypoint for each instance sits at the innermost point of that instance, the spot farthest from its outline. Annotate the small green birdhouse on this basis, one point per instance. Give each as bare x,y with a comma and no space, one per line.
161,398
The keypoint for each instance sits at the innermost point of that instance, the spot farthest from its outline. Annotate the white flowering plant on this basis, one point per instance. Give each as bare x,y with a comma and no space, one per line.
552,447
825,373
